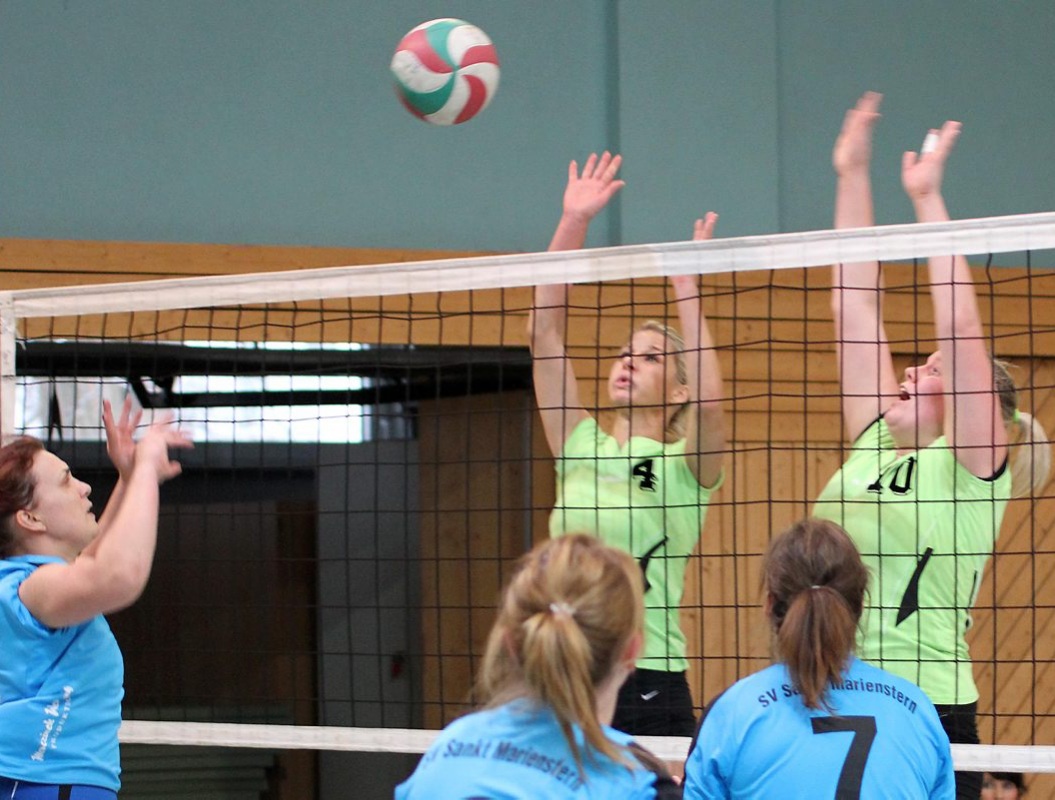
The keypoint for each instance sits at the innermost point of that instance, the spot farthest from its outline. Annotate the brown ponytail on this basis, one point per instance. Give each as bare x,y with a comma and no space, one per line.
815,583
564,622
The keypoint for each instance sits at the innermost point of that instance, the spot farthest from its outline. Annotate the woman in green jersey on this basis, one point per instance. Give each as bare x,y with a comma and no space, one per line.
644,485
925,486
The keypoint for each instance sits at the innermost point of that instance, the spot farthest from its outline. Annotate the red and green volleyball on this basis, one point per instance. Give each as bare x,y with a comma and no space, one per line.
446,71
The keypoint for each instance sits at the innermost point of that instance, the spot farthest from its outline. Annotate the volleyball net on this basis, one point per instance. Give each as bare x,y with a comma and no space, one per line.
369,465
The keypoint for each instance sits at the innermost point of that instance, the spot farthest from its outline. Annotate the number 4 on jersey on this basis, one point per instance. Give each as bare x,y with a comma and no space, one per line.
643,470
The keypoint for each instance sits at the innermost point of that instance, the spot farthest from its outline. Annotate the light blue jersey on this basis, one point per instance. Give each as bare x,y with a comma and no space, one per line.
518,751
60,692
883,741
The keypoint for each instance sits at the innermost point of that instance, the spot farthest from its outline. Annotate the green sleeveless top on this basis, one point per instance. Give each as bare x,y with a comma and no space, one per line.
641,498
925,527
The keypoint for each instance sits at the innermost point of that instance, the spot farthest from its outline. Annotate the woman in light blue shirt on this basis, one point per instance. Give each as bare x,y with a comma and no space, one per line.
568,632
61,570
819,722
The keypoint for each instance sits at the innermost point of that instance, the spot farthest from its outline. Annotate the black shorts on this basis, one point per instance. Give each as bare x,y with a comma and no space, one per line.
961,724
653,703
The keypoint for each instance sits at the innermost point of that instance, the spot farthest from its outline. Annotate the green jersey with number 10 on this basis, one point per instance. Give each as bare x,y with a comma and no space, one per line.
925,527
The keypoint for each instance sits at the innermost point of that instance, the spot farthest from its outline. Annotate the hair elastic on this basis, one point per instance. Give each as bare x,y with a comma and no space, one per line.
1017,416
561,609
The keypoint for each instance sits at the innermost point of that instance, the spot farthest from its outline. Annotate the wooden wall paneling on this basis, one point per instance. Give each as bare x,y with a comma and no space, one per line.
476,515
32,263
1014,655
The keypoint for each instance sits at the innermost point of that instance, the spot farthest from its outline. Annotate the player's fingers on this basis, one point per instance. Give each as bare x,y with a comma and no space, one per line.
704,227
612,189
161,420
602,165
172,470
930,142
126,407
179,440
950,132
588,167
613,168
869,102
108,416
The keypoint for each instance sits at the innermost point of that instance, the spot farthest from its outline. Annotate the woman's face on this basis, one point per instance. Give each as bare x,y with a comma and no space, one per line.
61,504
645,374
921,405
999,789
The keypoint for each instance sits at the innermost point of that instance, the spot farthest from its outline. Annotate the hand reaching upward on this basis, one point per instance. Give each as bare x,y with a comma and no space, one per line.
853,147
921,173
588,193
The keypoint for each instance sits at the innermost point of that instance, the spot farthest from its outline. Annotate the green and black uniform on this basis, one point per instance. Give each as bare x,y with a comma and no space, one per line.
925,527
642,498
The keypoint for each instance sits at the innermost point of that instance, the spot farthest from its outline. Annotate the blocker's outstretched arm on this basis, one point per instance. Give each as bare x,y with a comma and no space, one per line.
556,389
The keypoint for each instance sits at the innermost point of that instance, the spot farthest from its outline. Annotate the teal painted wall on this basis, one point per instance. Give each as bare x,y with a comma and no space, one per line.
274,121
990,65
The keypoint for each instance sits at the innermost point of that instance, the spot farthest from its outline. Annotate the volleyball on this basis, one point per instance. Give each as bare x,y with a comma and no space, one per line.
446,71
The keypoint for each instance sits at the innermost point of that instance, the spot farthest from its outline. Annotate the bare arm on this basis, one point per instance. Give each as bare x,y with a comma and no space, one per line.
113,575
973,423
705,429
121,448
867,380
556,389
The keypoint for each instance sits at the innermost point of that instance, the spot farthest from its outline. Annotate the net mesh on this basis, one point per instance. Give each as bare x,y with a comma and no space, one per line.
369,464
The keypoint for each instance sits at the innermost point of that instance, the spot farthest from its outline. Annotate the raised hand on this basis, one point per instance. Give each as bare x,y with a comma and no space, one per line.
120,445
921,173
853,147
702,230
152,451
588,193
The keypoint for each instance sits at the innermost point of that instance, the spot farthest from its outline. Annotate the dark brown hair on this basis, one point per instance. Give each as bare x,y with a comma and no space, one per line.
815,583
16,486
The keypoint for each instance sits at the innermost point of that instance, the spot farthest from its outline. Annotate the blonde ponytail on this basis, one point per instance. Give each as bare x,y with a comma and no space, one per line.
558,665
566,618
1029,451
1029,455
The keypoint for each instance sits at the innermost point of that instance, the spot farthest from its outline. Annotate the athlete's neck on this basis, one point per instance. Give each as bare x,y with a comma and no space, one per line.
607,694
906,444
648,422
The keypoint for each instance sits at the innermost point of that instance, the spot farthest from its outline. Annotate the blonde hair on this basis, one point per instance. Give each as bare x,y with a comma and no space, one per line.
1029,451
564,622
675,346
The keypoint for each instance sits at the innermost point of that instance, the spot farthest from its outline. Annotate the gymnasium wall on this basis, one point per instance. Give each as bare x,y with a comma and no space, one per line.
268,122
244,135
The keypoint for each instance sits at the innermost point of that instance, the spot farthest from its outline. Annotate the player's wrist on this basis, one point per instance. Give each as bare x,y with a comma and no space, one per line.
573,218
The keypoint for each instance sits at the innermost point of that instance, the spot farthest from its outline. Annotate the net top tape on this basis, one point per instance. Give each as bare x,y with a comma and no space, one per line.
1026,232
972,758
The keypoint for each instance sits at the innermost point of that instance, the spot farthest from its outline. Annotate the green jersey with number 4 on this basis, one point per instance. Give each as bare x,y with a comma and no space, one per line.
925,527
642,498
